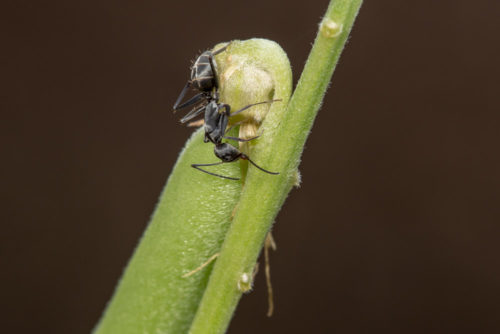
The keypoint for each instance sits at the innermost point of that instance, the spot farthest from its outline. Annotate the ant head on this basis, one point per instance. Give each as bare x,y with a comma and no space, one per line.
227,152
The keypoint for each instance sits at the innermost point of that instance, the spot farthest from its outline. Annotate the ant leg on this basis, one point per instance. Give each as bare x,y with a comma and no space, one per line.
192,114
181,95
251,105
226,107
223,118
244,157
232,126
241,139
197,166
195,99
236,138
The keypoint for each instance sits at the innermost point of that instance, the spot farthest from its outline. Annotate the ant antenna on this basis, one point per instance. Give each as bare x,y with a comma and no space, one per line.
244,157
251,105
197,166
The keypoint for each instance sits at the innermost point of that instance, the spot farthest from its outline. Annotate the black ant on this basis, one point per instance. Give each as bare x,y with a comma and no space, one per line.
216,122
204,79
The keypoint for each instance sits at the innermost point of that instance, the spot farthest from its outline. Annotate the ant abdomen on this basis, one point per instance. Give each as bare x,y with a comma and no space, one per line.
202,73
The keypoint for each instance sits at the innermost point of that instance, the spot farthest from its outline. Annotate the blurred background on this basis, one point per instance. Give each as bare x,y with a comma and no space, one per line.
394,230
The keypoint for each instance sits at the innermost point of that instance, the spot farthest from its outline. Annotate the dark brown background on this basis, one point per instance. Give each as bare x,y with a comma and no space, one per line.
394,230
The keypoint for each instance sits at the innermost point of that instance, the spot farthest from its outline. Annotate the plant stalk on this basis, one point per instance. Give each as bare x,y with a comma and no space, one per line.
263,194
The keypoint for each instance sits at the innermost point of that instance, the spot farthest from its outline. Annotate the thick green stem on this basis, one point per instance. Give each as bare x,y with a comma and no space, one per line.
185,230
279,150
194,211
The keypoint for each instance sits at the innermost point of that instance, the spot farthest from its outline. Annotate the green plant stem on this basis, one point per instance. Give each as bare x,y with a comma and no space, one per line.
185,230
192,217
264,194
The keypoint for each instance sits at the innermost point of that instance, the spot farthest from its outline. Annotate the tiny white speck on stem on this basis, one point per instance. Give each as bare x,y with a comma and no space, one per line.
245,283
330,28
